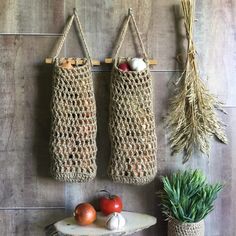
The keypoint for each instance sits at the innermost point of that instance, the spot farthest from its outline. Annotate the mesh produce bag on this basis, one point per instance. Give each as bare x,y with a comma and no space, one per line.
132,123
73,132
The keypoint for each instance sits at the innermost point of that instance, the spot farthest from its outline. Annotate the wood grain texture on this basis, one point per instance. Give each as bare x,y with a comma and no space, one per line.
135,222
25,112
31,16
28,222
102,22
222,167
24,123
215,41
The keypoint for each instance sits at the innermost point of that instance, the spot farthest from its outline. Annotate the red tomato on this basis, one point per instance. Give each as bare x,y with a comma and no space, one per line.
85,214
110,203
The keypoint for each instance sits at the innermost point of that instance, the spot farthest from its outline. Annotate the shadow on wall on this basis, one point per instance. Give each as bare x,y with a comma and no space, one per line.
102,95
161,225
42,119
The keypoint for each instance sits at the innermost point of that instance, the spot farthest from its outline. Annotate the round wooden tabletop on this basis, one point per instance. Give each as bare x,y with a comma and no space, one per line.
134,222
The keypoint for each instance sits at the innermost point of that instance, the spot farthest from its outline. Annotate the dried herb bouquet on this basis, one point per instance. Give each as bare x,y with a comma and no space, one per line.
192,117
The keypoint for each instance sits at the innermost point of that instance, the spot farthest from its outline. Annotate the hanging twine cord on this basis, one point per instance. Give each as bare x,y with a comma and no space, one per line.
123,33
86,49
122,37
138,33
65,33
64,36
192,118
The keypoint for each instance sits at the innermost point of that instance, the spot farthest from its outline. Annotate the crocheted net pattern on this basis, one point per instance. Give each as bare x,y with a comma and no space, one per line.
73,132
176,228
132,128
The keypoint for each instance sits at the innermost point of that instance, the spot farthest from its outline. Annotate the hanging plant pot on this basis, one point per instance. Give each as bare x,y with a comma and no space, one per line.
177,228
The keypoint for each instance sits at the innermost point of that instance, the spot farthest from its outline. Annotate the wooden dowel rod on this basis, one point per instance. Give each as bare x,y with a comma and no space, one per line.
150,61
72,61
108,60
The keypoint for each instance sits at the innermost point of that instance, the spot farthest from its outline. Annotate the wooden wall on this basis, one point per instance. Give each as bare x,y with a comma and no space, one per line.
29,198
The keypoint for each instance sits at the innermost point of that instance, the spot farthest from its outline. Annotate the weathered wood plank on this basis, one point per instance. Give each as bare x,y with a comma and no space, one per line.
31,16
102,21
221,167
25,94
215,41
25,91
28,222
25,123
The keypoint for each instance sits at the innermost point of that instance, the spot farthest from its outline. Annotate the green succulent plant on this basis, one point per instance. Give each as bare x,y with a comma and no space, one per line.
187,197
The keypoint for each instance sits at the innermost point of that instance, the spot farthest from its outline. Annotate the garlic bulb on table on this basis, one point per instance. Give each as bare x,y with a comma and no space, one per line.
137,64
115,221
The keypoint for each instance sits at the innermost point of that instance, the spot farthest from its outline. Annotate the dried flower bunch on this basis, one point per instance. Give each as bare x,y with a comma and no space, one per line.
192,117
187,197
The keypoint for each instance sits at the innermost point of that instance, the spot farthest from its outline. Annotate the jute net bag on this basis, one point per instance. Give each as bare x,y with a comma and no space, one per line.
73,132
132,124
176,228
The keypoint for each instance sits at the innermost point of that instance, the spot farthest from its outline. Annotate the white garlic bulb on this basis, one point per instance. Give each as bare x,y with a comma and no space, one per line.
137,64
115,221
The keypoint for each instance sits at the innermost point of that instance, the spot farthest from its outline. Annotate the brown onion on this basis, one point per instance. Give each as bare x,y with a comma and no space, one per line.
85,214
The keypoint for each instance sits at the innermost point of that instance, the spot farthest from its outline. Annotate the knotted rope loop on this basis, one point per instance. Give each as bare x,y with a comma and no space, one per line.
130,16
65,33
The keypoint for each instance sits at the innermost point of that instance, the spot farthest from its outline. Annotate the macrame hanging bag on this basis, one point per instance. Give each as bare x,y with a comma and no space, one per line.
73,131
132,123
